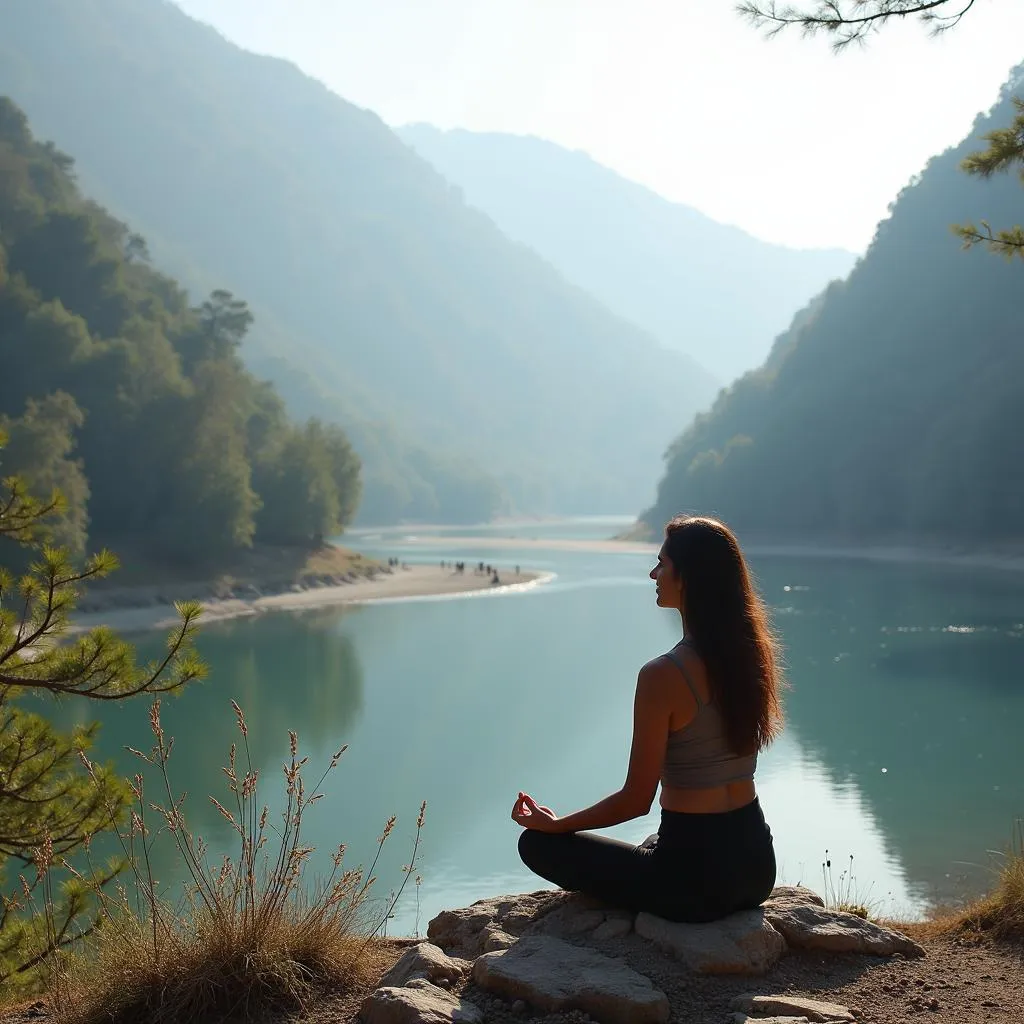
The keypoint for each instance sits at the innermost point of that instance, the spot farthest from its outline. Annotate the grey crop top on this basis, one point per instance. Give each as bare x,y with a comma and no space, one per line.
698,756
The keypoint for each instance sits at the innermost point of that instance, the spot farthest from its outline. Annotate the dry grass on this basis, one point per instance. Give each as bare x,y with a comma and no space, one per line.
209,972
999,915
249,940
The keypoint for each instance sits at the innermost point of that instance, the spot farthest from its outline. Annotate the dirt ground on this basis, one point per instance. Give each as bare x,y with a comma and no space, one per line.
961,981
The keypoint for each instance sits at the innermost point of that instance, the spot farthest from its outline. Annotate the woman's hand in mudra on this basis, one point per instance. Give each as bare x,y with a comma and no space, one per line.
528,813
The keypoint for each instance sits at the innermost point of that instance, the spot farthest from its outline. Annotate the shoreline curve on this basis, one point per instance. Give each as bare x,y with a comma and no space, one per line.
414,583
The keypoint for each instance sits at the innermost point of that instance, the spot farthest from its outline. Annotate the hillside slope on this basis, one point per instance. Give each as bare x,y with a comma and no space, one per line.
704,288
405,305
131,403
893,408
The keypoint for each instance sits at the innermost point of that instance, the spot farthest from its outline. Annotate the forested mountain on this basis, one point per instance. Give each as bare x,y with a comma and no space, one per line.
704,288
369,273
893,407
133,404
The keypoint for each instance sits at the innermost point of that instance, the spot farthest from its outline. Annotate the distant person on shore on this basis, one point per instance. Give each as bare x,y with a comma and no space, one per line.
701,714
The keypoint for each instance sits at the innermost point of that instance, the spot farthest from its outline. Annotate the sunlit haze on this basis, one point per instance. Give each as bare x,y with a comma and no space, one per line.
781,137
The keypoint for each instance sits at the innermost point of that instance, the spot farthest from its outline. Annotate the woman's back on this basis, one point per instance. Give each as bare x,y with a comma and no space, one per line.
702,774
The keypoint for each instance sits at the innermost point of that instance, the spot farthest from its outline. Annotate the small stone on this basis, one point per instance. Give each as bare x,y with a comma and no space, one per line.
518,1006
613,928
425,960
583,922
795,894
494,937
742,1018
815,1010
418,1003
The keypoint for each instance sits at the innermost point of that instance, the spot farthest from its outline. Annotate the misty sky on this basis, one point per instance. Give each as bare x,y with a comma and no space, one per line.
781,137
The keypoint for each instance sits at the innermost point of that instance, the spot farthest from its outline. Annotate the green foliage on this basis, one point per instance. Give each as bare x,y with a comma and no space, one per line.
49,808
302,503
1005,151
891,409
136,407
39,447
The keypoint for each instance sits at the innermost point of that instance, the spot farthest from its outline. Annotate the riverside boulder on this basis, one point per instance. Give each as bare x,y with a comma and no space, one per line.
551,951
743,943
418,1002
551,974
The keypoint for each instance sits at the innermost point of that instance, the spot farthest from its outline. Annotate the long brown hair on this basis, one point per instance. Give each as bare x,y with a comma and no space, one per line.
727,624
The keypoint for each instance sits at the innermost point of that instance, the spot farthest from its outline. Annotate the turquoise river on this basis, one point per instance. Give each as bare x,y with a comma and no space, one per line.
903,748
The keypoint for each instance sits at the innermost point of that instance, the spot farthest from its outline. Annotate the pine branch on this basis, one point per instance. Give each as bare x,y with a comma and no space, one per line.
1005,148
98,665
852,20
1007,243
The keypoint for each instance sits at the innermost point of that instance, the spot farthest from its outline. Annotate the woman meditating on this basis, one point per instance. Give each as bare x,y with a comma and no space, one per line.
701,714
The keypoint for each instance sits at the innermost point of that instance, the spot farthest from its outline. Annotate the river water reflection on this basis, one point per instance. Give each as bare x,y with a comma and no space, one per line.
903,744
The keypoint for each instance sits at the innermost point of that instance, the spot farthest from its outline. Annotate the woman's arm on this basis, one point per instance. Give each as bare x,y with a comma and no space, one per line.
651,712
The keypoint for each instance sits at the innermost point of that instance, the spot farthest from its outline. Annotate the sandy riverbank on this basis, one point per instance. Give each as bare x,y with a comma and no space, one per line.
1009,558
416,581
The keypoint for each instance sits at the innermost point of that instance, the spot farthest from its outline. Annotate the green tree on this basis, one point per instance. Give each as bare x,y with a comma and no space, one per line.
302,487
40,444
221,323
212,505
49,809
64,257
345,471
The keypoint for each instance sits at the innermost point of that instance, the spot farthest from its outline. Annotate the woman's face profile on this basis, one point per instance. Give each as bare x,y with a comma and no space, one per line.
668,587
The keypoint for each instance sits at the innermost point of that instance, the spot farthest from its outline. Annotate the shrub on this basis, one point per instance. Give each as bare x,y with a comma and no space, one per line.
248,938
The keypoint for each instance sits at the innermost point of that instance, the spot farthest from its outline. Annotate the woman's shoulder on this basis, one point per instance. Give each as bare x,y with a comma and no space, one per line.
663,666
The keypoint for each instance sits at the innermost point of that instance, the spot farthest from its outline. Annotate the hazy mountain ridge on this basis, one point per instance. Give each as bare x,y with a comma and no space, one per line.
893,407
377,280
702,287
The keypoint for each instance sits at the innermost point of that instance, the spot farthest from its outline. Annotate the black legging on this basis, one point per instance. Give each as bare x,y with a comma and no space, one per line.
698,867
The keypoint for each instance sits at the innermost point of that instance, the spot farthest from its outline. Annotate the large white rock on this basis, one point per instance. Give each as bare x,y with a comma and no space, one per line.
418,1003
425,960
554,975
807,926
816,1011
466,929
743,943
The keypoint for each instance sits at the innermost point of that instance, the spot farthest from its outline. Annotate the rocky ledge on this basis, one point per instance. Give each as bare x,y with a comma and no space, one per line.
553,953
